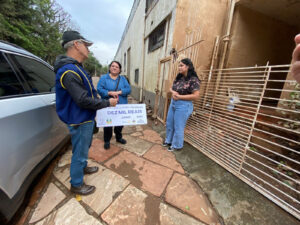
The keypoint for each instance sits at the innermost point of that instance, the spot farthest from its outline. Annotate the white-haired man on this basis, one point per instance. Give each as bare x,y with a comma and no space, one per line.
76,105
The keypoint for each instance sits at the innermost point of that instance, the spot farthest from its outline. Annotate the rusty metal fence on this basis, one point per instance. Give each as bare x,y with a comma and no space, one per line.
248,121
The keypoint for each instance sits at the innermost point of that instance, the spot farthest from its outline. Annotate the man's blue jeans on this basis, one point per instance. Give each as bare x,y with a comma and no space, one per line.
81,137
178,114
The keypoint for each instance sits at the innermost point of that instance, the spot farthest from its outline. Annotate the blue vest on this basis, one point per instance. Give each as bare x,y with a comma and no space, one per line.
68,111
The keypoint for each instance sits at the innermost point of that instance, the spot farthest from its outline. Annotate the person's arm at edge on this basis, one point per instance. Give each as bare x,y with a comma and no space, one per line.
295,70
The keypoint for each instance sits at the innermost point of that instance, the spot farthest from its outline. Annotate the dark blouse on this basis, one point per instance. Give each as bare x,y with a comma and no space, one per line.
186,87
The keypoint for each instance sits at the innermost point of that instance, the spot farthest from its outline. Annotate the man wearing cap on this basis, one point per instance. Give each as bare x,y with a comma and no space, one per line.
76,105
296,60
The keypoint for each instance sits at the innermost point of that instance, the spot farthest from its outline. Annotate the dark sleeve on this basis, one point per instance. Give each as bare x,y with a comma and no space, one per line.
194,84
79,94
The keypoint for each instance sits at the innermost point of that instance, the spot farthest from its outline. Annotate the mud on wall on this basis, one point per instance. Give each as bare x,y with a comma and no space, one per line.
257,39
205,16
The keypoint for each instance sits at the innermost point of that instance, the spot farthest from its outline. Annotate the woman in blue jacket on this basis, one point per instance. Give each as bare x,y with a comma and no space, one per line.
113,85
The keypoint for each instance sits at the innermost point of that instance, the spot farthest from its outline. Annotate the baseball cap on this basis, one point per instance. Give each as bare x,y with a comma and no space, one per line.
72,35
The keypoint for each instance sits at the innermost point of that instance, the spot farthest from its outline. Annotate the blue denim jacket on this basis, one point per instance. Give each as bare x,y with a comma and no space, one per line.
106,84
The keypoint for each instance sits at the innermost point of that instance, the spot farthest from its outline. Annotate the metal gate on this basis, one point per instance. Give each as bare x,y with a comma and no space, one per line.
248,121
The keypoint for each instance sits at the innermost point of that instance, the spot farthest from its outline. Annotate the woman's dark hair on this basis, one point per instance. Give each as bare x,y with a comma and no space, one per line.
191,70
120,66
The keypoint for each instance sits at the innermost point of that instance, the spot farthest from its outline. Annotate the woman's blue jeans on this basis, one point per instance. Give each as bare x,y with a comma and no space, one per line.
178,114
81,137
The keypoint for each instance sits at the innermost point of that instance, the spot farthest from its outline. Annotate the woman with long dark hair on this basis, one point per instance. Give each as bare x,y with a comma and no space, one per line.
184,90
113,85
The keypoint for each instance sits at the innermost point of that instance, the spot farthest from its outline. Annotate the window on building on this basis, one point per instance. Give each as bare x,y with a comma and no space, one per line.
157,37
136,76
150,4
124,66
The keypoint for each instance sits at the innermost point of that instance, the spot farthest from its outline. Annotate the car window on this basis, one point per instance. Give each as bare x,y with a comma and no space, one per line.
9,83
40,78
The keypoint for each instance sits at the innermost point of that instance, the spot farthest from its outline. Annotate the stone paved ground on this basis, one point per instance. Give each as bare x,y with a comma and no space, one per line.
139,183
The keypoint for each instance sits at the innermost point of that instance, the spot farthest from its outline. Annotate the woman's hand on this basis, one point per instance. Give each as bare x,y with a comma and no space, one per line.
113,102
114,93
175,94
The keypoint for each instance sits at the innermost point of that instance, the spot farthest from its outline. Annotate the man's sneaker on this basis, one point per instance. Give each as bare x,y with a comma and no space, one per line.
171,149
90,169
106,145
122,141
165,144
83,189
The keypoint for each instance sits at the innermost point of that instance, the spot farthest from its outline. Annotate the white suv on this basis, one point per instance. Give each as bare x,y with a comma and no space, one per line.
30,131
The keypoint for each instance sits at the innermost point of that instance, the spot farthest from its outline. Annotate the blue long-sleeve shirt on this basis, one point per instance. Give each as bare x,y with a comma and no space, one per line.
106,84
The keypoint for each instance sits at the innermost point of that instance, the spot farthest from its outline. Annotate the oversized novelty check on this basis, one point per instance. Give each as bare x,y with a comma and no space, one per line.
122,115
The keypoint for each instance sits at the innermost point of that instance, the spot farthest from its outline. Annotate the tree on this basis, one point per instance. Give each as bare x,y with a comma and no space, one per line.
92,65
35,25
15,22
104,69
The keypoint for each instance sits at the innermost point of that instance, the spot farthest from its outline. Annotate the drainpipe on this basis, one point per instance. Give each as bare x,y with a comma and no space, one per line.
226,37
143,71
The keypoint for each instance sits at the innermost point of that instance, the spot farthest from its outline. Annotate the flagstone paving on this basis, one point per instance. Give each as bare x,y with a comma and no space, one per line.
50,200
128,209
99,154
71,213
128,129
66,158
136,134
139,183
142,173
152,136
134,145
186,195
63,175
139,128
108,185
171,216
160,155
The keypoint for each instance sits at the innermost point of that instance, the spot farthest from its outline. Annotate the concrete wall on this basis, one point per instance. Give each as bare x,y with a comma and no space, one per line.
163,10
135,92
149,98
203,15
257,39
133,39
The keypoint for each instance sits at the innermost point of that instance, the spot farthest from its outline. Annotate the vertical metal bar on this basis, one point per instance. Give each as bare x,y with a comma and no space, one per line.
214,56
255,117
